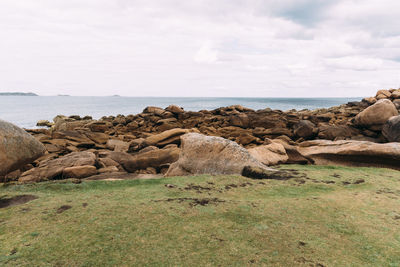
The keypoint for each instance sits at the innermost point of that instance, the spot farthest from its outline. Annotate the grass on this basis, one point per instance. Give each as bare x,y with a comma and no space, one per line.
324,216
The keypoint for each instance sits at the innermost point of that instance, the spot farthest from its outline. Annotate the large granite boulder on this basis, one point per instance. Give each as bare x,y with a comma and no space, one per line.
60,168
202,154
352,153
391,129
377,114
271,154
17,148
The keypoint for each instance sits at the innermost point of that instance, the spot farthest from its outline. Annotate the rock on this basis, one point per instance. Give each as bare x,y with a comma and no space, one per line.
352,153
246,138
332,132
97,137
396,103
377,114
167,124
17,148
202,154
305,129
391,129
137,144
396,94
271,154
53,168
175,109
381,94
141,161
63,125
167,137
79,172
99,126
294,156
239,120
45,123
369,100
108,169
117,145
154,110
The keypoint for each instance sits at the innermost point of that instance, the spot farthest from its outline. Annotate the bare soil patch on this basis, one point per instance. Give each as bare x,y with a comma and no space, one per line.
17,200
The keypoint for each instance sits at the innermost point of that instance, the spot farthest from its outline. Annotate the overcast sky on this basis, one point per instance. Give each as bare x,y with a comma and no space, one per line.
257,48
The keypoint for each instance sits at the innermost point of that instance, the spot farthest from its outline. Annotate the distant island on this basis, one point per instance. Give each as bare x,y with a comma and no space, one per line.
63,95
17,94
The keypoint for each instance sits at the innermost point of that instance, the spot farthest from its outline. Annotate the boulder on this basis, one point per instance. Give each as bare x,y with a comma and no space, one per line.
239,120
17,148
396,103
44,123
332,132
294,157
369,100
154,110
167,137
382,94
352,153
271,154
54,168
175,109
391,129
396,94
377,114
141,161
117,145
65,125
202,154
79,171
305,129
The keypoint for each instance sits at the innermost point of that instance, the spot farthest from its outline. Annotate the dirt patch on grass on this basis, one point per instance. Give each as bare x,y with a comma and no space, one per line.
194,201
17,200
63,208
198,188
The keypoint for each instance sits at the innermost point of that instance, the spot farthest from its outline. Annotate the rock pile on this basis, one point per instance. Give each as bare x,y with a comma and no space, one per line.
149,142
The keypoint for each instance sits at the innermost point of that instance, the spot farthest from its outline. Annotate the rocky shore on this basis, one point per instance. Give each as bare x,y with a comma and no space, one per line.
172,141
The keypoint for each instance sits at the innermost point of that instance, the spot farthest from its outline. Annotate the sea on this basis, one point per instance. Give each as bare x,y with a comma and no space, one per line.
25,111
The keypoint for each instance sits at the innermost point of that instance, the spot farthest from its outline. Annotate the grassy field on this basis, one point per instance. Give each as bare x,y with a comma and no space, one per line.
323,216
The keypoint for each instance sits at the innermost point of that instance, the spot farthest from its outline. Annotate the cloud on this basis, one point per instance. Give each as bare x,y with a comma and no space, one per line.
354,63
163,47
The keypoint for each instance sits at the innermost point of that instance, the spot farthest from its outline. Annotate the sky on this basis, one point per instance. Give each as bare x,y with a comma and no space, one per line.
222,48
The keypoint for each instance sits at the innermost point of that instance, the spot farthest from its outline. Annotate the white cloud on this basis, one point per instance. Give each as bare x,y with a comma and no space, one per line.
164,47
354,63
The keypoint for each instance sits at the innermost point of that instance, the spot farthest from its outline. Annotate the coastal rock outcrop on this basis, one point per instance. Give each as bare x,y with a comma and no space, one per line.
202,154
352,153
17,148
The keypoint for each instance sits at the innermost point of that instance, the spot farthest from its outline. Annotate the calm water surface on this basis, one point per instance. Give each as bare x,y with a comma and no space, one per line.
25,111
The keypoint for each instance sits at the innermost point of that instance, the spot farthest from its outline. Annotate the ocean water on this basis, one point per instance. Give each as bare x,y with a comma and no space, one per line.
25,111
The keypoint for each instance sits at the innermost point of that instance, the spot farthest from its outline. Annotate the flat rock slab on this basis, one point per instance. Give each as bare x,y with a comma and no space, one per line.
352,153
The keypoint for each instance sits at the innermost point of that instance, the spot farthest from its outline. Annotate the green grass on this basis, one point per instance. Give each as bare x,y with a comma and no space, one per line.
308,220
